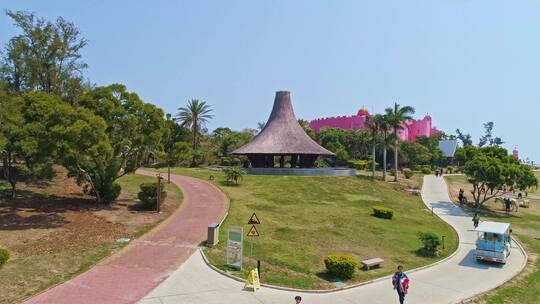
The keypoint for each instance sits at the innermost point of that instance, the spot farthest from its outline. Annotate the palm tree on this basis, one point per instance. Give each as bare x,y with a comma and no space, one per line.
396,117
384,127
373,124
195,115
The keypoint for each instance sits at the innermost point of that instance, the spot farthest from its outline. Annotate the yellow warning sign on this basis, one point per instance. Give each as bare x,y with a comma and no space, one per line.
254,220
253,280
253,231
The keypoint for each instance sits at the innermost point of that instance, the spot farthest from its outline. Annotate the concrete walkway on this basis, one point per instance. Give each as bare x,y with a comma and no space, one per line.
451,281
129,275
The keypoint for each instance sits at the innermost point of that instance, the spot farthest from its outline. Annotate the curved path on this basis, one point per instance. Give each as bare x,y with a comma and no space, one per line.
457,278
129,275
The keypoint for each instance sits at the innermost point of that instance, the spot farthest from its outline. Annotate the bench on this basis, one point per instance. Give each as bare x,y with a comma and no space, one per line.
372,263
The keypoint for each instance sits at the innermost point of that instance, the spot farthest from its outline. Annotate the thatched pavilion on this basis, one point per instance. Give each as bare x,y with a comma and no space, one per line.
282,138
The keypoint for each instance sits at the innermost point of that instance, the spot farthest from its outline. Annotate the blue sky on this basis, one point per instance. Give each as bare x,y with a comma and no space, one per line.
464,62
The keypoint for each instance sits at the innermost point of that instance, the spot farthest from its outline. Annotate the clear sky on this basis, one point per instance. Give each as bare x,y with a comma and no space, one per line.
464,62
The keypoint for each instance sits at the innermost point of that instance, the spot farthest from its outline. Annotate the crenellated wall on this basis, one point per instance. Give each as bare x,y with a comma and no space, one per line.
412,128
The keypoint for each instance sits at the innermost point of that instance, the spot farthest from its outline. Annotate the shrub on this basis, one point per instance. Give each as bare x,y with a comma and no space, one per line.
358,164
426,170
234,174
408,173
4,256
341,266
148,195
430,241
230,161
449,169
383,212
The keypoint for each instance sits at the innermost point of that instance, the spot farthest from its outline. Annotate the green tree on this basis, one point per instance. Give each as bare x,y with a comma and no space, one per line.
414,154
466,139
305,125
491,169
488,138
386,139
134,130
396,117
194,116
44,57
11,136
373,124
431,143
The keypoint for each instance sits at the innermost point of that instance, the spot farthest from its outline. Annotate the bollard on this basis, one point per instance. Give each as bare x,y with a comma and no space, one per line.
259,268
443,242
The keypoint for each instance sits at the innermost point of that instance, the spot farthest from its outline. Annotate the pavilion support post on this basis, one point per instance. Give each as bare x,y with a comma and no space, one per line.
282,161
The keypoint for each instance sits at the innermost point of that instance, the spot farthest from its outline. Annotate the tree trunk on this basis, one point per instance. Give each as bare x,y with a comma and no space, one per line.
373,161
384,164
396,161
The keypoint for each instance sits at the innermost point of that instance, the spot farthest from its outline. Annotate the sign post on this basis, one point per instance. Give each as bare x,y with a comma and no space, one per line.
158,194
253,220
235,246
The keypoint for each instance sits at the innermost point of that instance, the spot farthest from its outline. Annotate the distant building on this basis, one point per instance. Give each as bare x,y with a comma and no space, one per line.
448,148
515,153
411,130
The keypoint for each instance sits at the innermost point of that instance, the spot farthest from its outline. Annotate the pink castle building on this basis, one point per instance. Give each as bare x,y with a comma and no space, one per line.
411,130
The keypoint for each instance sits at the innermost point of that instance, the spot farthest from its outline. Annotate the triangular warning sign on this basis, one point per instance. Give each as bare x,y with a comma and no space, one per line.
254,220
253,231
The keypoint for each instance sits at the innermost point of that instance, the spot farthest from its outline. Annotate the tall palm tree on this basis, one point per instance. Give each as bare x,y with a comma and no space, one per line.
384,127
194,116
373,124
396,117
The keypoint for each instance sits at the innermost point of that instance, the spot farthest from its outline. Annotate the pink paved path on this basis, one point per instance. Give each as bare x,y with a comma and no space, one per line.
129,275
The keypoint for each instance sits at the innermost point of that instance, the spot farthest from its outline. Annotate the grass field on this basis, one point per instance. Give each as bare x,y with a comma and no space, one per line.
304,219
55,232
526,226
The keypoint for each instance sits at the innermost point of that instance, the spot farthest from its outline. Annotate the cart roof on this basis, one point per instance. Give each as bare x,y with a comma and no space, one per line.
493,227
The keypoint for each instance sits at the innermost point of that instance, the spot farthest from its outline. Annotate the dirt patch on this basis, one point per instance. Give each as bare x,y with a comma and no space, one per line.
61,231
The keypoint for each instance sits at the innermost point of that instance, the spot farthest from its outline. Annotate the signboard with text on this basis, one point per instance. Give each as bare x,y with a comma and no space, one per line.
235,247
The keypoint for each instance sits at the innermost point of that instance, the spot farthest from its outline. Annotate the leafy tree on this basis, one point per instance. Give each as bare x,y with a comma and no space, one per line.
491,169
415,154
11,137
466,139
176,149
225,140
432,144
488,138
305,125
194,115
134,130
44,57
396,117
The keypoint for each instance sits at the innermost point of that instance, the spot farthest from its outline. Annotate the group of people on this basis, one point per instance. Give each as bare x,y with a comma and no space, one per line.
507,204
438,172
400,281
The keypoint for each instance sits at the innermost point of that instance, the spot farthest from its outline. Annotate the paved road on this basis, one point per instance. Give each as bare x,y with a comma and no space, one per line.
457,278
132,273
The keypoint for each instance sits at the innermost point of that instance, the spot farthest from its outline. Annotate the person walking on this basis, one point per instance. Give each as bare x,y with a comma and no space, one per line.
461,196
476,220
297,299
400,281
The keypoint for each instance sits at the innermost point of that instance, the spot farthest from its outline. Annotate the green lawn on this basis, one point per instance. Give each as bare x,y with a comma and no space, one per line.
305,218
526,226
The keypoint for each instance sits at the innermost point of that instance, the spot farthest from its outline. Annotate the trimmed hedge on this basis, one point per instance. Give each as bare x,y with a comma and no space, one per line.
408,173
383,212
148,195
341,266
4,256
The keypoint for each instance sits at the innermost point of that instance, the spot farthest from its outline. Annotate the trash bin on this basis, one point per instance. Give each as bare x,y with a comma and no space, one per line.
213,235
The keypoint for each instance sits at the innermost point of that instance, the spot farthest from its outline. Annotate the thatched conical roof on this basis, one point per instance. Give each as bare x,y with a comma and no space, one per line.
282,135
